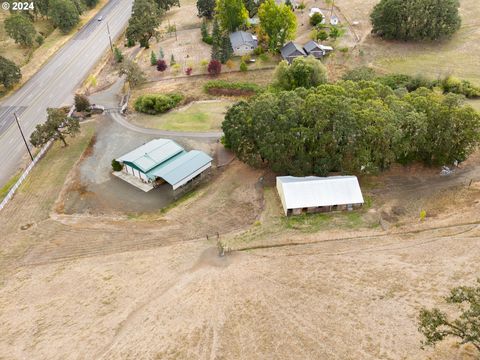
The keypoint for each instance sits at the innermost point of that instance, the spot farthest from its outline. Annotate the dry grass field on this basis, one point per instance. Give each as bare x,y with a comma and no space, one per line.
153,287
458,56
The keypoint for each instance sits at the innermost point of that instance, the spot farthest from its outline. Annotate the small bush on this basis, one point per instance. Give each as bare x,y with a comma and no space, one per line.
176,68
360,73
117,54
231,88
188,71
230,64
246,58
243,66
457,86
321,35
161,65
214,67
39,39
316,19
258,50
116,166
81,102
157,103
263,57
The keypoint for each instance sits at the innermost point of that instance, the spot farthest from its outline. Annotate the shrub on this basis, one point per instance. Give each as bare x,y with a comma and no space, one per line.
81,102
263,57
153,59
176,68
161,65
246,58
360,73
117,55
258,50
214,67
457,86
116,166
204,63
229,88
322,35
230,64
39,39
157,103
188,71
316,19
243,66
130,42
172,60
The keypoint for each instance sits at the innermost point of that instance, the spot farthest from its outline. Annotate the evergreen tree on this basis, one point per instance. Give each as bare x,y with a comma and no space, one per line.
161,54
216,41
226,49
172,60
153,59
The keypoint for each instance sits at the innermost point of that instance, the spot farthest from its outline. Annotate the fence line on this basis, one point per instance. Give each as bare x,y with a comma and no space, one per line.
27,171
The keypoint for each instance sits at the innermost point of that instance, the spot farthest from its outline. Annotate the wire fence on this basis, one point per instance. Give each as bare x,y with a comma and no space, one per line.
27,171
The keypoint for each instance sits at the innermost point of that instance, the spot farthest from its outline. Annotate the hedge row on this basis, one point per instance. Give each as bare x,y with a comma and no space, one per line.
157,103
229,88
448,84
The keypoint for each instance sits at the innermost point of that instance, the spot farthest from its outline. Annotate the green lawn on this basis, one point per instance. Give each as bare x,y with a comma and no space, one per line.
200,116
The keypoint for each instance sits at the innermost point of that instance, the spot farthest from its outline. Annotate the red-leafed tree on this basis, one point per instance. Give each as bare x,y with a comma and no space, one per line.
214,67
161,65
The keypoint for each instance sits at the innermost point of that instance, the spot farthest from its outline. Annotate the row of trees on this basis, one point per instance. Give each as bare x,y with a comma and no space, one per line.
350,127
64,14
145,19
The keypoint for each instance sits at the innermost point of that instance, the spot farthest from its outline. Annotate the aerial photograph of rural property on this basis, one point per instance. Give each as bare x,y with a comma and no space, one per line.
240,179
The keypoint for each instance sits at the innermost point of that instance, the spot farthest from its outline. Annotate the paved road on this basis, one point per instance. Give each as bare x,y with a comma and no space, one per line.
55,84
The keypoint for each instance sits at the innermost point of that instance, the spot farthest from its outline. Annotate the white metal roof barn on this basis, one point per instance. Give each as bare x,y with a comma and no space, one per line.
162,160
318,194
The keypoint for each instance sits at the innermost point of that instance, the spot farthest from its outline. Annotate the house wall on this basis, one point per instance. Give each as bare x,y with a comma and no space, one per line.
243,50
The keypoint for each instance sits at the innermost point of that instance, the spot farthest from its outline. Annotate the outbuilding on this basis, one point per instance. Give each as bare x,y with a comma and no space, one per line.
162,161
317,50
318,194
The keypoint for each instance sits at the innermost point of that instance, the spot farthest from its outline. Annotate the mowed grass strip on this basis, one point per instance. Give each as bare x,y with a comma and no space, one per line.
199,117
6,188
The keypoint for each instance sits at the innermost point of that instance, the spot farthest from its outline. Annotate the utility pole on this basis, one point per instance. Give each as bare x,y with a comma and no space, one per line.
109,37
23,136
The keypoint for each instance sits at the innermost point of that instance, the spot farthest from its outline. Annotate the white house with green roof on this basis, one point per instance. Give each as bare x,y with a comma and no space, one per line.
163,161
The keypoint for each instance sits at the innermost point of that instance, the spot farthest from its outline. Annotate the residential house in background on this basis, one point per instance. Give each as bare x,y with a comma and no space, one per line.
243,42
291,51
317,50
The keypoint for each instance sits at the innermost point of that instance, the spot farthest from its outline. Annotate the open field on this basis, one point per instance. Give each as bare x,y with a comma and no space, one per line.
458,56
152,286
197,116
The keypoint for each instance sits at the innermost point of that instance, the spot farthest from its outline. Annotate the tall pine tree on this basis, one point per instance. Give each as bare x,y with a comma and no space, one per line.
216,41
226,49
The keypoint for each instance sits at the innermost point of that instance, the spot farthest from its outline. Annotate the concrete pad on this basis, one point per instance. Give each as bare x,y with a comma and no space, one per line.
132,180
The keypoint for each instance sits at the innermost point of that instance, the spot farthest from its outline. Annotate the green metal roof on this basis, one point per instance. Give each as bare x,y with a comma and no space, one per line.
152,154
180,167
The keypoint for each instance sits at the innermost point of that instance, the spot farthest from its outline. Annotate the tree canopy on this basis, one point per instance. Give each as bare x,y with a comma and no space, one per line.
135,75
64,14
435,325
278,23
10,73
57,127
303,72
20,28
206,8
165,5
415,19
231,14
143,23
350,127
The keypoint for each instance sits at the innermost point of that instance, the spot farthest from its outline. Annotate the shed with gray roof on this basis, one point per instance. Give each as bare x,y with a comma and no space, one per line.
291,51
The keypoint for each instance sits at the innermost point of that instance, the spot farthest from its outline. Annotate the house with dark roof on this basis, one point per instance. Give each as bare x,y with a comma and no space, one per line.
317,50
243,42
291,51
